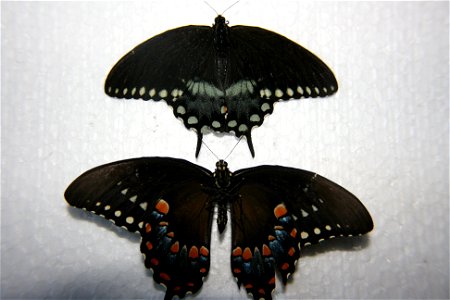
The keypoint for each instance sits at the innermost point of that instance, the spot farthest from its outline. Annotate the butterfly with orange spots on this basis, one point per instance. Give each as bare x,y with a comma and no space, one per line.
275,212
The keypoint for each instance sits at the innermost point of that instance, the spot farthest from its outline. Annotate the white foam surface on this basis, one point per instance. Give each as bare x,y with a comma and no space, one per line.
383,136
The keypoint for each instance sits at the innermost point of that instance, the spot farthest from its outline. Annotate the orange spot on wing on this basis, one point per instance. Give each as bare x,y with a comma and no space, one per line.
236,270
204,251
202,270
177,288
271,238
164,276
285,266
280,210
247,254
162,206
193,253
170,234
293,233
261,291
266,250
175,247
278,227
163,223
191,284
154,262
271,281
149,245
248,286
237,251
148,227
291,251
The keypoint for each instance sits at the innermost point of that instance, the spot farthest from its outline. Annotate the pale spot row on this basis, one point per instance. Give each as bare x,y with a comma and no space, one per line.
303,91
163,93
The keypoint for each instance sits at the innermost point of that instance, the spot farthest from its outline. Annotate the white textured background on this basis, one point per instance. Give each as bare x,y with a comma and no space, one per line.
384,136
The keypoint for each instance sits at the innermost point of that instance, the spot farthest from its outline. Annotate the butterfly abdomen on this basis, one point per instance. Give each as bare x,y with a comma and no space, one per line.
222,217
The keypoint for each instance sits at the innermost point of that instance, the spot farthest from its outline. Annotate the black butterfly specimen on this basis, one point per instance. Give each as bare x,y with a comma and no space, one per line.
275,211
220,78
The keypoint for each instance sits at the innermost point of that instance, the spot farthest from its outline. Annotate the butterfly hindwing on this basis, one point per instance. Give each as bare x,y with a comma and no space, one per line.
164,200
264,238
278,211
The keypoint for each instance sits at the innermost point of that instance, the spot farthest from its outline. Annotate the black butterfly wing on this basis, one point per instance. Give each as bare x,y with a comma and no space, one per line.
281,68
164,200
278,211
157,69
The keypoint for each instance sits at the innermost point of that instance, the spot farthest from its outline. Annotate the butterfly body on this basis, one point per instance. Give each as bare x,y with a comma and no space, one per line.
275,211
220,78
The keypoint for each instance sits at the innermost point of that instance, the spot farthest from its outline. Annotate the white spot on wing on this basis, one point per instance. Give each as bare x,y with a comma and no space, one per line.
192,120
133,199
216,124
143,205
181,110
129,220
107,207
308,90
117,213
255,118
304,235
152,92
124,191
300,90
232,123
304,213
243,128
265,107
142,91
163,93
278,93
290,92
316,230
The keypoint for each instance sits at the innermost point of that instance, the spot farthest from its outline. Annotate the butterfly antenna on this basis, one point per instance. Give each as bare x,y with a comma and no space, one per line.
210,151
230,6
233,148
212,9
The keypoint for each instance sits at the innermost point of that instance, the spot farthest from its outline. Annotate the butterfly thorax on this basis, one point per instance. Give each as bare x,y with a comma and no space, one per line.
221,40
222,177
221,35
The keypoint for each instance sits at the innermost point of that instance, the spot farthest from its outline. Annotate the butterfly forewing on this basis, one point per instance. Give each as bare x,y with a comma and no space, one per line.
289,70
165,201
157,68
